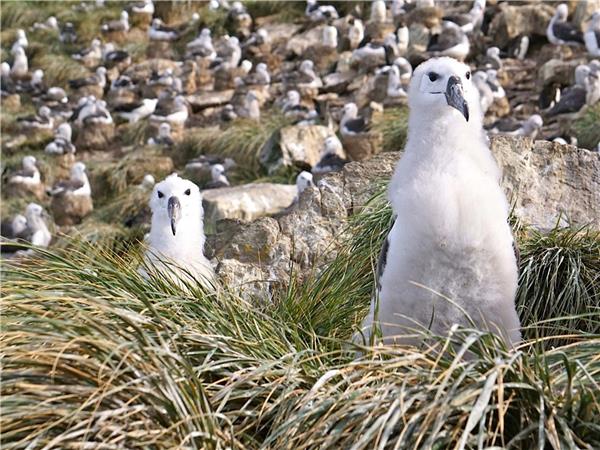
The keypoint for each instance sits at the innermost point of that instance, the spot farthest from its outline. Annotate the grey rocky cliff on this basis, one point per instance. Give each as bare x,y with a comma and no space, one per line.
543,180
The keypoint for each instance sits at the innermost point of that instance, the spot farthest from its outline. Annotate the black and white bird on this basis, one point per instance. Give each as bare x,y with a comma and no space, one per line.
319,13
13,230
519,47
20,66
29,174
446,262
38,233
145,7
582,93
306,77
356,33
228,113
486,95
560,31
61,145
509,126
202,46
176,239
136,111
592,35
293,108
67,34
472,20
452,41
494,84
91,55
352,123
158,31
251,108
375,54
115,56
20,41
177,114
229,55
77,184
492,59
50,24
99,115
218,177
41,121
121,25
260,76
97,79
332,157
304,180
164,136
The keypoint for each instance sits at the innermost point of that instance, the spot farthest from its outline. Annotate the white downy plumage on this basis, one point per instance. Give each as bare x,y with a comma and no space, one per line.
450,250
176,239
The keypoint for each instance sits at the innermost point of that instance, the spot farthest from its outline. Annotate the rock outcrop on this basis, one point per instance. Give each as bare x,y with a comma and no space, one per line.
543,180
247,202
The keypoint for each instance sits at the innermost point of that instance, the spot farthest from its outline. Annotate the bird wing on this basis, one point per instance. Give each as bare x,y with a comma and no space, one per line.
571,101
567,32
128,107
382,262
356,125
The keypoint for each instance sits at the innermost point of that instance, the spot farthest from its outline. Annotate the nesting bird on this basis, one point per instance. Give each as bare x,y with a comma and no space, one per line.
529,127
332,157
445,260
176,238
72,198
304,180
41,121
218,177
20,66
164,136
352,123
61,145
136,111
121,25
560,31
159,32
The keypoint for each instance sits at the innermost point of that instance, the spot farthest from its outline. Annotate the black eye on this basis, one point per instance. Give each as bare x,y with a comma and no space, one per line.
188,192
432,76
160,194
468,75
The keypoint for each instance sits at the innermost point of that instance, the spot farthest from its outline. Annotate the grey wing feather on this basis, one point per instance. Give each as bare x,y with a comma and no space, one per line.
382,261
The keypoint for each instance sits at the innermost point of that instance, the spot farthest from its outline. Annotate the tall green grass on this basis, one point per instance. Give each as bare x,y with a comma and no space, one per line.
98,356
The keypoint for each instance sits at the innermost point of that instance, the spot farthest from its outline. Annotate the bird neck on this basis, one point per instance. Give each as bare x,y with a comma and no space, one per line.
187,242
446,136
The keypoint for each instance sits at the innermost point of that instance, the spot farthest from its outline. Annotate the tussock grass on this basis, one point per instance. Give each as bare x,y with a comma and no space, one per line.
586,128
242,141
96,355
393,125
560,282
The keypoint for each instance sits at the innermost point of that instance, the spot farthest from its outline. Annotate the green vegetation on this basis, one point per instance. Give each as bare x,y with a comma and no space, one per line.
95,354
586,128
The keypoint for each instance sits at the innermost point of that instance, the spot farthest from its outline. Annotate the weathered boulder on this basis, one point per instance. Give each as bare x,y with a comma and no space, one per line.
299,43
542,179
362,146
297,145
208,99
519,20
247,202
546,180
69,209
557,71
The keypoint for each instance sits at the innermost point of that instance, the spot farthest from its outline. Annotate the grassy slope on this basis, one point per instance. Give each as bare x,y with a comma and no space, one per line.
95,354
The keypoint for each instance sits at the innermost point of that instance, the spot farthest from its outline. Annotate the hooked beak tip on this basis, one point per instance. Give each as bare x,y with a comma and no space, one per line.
455,96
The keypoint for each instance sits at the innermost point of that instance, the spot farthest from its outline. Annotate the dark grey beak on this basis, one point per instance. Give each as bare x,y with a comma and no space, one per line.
174,211
455,97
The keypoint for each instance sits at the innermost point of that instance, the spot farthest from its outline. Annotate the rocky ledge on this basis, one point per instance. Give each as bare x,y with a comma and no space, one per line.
547,183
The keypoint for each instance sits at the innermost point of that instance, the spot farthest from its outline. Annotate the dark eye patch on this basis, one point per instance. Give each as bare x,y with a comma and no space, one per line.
432,76
188,192
160,194
468,75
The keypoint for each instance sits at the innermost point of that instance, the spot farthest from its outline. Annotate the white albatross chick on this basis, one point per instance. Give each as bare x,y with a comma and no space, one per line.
449,257
176,240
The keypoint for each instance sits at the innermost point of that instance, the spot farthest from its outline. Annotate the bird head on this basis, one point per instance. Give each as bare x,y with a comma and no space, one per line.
174,202
124,16
350,110
332,145
562,11
293,97
29,162
148,182
164,129
78,170
44,111
444,86
4,69
37,76
216,171
19,223
33,210
303,181
64,130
